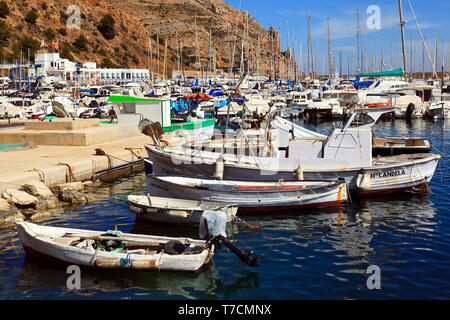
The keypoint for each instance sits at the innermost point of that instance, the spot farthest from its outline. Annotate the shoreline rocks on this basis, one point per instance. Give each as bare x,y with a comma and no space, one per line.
20,199
35,201
37,189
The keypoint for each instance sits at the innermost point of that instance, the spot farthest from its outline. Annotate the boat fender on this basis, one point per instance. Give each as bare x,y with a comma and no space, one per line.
218,174
299,172
363,181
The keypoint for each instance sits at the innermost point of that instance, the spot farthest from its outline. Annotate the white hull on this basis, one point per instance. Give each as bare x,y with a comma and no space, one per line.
175,211
388,174
50,243
249,195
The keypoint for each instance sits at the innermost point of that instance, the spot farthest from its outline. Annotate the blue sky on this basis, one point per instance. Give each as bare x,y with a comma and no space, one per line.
432,16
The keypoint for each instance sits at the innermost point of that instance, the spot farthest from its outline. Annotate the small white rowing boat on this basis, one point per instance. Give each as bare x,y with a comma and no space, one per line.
175,211
252,195
111,250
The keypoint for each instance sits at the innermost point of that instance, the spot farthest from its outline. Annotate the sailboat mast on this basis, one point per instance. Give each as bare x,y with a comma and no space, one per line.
197,49
330,62
248,46
423,40
311,45
435,50
309,42
165,57
287,50
151,56
358,37
402,27
423,62
208,59
157,45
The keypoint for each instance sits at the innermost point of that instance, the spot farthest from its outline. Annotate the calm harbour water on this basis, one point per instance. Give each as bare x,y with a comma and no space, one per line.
314,255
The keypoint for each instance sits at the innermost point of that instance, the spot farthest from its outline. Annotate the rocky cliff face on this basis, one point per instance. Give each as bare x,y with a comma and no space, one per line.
185,25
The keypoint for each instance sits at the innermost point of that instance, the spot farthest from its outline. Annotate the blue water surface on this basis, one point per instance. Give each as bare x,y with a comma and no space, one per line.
309,255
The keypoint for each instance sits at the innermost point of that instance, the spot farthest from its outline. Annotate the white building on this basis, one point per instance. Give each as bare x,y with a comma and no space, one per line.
52,65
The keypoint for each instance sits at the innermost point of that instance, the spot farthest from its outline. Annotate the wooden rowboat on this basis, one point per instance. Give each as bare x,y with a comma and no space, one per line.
100,250
175,211
252,195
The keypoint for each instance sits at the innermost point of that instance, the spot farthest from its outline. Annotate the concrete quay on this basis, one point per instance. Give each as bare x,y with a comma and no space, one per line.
54,164
60,164
66,132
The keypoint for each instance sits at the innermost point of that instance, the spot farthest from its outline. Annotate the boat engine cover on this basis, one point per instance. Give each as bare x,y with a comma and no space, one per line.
213,223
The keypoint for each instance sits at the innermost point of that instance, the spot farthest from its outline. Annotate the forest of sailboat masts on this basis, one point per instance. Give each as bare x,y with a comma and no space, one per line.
305,55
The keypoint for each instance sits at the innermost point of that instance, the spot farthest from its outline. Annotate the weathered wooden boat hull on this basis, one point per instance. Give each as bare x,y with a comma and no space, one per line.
388,174
175,214
255,196
40,241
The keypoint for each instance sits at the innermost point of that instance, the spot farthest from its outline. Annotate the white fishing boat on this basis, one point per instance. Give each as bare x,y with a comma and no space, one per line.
252,195
345,153
111,250
175,211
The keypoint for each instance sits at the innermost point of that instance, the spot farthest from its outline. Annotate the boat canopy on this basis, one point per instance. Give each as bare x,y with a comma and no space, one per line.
391,73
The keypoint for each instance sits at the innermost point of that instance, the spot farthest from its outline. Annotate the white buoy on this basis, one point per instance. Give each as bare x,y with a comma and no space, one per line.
220,166
299,172
363,181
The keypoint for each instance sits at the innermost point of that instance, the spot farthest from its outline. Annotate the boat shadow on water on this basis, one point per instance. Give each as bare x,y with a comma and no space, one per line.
39,277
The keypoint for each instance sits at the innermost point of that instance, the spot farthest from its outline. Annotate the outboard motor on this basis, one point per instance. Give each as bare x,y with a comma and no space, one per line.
409,111
213,229
213,224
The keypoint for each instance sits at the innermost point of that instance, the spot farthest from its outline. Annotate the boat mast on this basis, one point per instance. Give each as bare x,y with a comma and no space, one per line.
215,64
411,56
208,59
402,27
435,50
157,45
229,49
197,49
151,57
165,57
181,59
358,37
310,49
423,62
178,51
248,47
148,55
330,62
288,50
423,41
235,40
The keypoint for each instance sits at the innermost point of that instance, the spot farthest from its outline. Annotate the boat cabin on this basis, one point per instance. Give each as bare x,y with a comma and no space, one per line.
351,144
130,110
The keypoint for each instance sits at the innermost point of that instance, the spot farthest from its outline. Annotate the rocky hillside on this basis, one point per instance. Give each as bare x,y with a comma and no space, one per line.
116,32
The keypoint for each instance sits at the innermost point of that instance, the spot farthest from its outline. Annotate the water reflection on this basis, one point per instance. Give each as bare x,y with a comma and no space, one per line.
38,276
